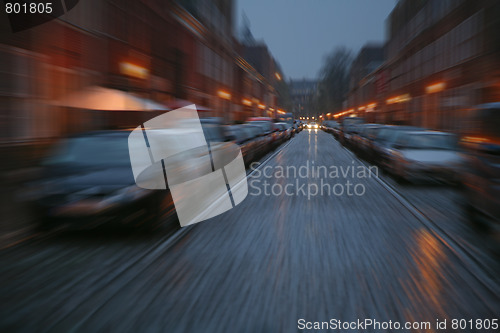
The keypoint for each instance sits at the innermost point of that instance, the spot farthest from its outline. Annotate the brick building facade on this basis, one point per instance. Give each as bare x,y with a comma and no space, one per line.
442,57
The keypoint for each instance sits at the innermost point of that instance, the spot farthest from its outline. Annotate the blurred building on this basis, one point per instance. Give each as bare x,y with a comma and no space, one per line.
163,50
362,86
442,58
302,94
206,61
263,91
128,45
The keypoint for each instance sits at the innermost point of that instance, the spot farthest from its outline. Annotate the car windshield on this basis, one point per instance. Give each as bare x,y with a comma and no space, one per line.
371,132
432,141
386,134
92,151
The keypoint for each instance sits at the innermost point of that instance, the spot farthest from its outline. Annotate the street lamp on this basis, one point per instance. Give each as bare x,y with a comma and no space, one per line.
436,87
225,96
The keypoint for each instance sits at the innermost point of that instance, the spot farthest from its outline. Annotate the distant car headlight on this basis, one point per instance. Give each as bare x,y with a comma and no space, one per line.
316,126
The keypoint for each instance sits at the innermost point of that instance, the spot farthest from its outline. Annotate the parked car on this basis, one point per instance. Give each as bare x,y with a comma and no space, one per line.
265,122
286,131
268,127
242,136
301,125
481,172
260,141
336,130
379,152
328,125
87,182
349,126
425,155
362,139
213,130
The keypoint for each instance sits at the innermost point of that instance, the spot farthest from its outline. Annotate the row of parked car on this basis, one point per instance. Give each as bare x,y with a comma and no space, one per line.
259,135
87,180
469,158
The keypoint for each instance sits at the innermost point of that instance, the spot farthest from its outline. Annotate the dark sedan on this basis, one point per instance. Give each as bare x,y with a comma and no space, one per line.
88,182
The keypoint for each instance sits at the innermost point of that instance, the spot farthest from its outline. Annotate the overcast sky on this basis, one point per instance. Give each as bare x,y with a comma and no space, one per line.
299,33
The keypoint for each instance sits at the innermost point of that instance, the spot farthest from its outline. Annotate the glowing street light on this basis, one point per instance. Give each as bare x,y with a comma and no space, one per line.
133,70
399,99
224,94
436,87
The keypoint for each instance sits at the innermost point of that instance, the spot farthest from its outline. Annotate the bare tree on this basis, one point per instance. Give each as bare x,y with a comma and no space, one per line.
334,81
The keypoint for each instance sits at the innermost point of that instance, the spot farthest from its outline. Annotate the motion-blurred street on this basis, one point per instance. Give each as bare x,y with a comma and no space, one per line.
397,252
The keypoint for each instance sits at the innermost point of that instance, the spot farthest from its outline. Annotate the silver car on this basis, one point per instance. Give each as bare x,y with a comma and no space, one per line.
426,155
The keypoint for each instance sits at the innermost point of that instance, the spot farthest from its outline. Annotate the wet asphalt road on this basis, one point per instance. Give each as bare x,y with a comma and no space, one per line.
267,263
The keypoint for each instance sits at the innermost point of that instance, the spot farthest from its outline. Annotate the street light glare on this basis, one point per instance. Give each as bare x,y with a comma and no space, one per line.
224,94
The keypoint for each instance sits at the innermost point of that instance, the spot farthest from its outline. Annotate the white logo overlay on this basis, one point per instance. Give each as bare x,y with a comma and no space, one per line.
205,175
